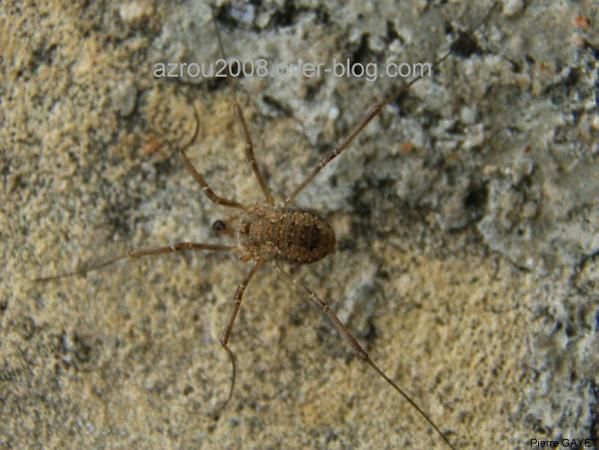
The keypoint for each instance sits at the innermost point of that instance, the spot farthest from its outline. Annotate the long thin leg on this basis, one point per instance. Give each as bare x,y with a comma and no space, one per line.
207,189
251,158
249,145
374,111
198,176
351,340
224,340
179,246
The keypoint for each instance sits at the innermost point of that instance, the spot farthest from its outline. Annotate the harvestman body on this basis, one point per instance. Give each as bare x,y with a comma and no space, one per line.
265,233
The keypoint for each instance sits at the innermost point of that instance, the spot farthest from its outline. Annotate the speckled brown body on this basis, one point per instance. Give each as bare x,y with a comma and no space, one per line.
291,235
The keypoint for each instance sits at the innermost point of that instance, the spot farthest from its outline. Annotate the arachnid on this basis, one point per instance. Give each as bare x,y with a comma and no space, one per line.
269,233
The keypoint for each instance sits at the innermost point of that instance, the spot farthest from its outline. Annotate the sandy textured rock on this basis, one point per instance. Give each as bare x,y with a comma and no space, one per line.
467,222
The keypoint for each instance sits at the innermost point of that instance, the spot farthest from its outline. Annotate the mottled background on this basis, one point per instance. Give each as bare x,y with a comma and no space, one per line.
467,221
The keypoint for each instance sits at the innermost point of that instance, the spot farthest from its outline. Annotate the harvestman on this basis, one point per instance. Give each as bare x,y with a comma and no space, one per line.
268,233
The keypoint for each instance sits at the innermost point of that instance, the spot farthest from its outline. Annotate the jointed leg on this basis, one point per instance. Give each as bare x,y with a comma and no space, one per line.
374,111
207,190
249,146
198,176
251,158
179,246
344,331
371,114
224,340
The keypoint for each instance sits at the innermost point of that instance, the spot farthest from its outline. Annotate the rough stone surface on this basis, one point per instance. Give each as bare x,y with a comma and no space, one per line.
467,221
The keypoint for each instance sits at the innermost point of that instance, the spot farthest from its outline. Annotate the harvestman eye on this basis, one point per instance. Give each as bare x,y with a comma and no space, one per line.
219,225
267,233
